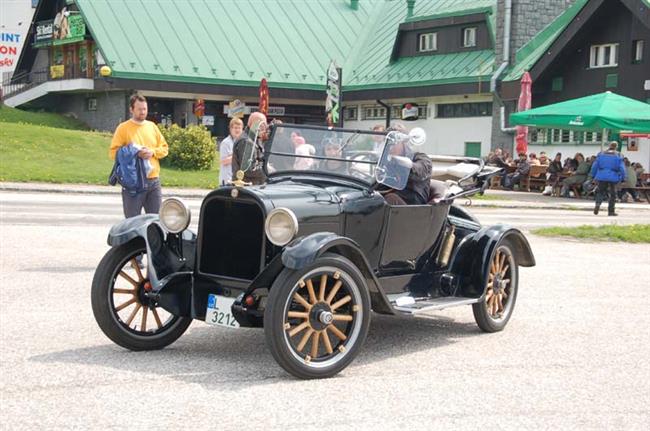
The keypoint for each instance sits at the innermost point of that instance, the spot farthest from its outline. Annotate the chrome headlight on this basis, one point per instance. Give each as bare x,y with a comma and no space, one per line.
175,216
281,226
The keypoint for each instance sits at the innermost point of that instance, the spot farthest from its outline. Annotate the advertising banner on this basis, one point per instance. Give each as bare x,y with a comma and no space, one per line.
57,71
333,99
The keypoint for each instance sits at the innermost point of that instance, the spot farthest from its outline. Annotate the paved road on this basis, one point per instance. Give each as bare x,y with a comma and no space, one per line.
103,210
575,354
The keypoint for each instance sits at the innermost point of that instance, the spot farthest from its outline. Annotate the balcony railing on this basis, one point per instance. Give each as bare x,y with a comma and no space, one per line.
23,82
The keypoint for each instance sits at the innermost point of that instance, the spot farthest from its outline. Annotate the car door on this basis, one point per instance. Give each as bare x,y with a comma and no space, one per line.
410,231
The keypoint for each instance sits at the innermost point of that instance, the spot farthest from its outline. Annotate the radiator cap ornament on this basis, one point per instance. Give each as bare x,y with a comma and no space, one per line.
239,182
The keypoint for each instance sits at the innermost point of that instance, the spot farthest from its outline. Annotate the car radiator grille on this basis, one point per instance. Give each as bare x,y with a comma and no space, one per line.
231,238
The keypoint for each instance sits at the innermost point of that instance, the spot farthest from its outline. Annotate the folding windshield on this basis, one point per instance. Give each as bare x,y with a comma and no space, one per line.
318,150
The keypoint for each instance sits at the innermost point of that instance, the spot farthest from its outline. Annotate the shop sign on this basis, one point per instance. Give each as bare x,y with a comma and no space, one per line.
208,120
409,112
276,111
72,28
633,144
8,48
44,30
57,71
236,109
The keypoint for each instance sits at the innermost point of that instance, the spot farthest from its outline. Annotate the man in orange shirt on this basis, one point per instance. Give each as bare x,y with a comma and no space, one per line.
138,131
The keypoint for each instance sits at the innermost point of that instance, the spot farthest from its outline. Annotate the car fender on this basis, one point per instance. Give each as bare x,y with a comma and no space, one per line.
471,260
306,250
164,257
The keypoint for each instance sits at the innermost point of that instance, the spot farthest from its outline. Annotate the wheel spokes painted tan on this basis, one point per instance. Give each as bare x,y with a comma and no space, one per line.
125,304
505,270
340,302
302,301
298,314
326,341
304,339
323,284
298,328
310,289
129,279
336,331
314,344
132,316
136,266
489,294
143,326
502,262
342,317
156,318
334,291
127,291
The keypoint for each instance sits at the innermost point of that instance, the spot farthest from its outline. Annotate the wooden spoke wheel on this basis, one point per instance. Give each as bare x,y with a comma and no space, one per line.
122,308
317,319
492,314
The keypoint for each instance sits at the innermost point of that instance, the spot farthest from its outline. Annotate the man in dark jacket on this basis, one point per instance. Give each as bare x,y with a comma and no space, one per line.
523,167
416,191
252,169
608,170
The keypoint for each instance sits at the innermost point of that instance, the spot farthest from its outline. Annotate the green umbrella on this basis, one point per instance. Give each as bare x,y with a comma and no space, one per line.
600,111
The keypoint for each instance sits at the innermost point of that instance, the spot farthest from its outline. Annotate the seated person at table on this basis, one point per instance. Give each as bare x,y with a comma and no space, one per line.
543,159
553,174
629,184
416,191
579,175
521,171
534,161
497,159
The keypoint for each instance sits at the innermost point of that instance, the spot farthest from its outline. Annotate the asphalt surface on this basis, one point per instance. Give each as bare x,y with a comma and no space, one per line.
574,355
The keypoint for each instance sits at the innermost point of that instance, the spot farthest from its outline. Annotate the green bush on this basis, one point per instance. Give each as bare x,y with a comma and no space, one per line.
191,148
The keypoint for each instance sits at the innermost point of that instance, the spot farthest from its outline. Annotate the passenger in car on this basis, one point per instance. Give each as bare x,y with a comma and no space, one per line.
417,188
333,149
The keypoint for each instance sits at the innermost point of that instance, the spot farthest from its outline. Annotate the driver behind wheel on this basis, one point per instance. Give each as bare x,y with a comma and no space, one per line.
416,191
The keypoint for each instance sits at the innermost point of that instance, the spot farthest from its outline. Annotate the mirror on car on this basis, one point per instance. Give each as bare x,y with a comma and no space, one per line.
417,136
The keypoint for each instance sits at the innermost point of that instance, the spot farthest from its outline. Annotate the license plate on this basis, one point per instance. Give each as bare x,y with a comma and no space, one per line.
219,311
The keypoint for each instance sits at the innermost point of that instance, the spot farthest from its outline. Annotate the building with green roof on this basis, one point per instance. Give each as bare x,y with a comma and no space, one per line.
438,58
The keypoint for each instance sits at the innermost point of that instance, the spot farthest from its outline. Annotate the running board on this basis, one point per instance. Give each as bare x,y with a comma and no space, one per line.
422,306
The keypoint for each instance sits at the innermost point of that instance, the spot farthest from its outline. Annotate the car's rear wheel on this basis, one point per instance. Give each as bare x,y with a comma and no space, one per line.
121,306
493,313
317,318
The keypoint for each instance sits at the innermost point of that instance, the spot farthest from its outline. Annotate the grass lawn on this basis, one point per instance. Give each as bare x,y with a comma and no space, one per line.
13,115
56,155
637,233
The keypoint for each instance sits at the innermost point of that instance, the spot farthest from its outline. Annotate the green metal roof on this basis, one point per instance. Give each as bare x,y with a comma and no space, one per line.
531,52
289,42
373,69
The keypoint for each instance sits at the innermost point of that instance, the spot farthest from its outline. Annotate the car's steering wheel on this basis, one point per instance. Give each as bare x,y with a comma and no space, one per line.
355,169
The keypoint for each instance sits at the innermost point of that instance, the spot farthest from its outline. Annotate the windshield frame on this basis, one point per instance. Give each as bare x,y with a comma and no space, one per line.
268,152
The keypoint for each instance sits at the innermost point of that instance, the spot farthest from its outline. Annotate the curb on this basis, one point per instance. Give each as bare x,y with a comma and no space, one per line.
200,193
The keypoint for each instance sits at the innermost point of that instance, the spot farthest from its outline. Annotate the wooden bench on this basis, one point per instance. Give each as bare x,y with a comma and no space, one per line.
536,176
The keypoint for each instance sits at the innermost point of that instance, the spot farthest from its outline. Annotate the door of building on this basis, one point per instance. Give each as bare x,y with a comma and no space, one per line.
472,149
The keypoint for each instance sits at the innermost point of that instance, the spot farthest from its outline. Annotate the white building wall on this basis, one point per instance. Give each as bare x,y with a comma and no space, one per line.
445,136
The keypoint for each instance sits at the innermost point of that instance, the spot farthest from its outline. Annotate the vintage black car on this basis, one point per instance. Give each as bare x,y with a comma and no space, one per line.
311,253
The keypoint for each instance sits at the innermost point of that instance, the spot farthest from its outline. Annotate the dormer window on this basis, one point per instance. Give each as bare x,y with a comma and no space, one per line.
603,55
469,37
428,42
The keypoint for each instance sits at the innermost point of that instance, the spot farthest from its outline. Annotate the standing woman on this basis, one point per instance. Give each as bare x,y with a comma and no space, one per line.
608,170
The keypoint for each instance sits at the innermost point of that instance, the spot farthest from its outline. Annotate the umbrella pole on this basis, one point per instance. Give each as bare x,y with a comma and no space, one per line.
602,141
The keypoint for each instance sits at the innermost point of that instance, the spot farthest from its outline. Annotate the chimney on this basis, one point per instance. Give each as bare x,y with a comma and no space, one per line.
410,5
354,4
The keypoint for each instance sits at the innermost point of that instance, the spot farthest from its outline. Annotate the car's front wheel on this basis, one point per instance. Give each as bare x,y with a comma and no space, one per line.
122,308
494,311
317,318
